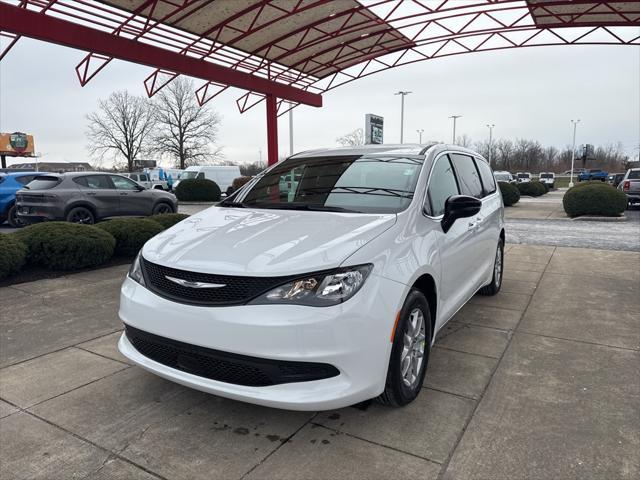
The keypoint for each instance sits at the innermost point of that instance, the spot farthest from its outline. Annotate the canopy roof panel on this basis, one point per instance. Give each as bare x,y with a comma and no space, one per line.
583,13
306,35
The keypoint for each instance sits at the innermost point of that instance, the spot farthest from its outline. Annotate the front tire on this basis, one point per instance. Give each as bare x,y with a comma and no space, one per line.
498,267
161,208
81,215
410,352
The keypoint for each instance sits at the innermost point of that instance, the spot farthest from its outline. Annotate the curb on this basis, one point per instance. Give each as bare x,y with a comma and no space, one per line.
588,218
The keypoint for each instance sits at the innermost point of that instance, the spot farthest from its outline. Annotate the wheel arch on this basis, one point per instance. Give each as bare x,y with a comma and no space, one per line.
427,285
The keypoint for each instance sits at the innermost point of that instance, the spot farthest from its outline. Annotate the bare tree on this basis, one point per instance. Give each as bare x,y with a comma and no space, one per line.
352,139
464,141
121,126
186,132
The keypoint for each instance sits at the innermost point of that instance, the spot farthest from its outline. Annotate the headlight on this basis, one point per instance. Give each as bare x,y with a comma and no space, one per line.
135,272
318,290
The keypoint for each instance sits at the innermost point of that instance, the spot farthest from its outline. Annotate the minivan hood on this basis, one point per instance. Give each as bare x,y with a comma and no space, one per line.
267,242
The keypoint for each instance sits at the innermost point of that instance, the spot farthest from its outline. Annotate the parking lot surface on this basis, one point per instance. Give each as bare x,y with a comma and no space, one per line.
540,381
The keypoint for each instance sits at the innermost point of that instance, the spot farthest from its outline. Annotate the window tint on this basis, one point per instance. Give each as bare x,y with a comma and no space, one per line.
144,178
200,176
634,175
442,184
93,181
123,183
25,179
43,183
467,175
488,182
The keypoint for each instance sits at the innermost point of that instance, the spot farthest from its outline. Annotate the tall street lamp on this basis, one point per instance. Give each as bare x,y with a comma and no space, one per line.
490,127
455,117
420,134
402,95
573,149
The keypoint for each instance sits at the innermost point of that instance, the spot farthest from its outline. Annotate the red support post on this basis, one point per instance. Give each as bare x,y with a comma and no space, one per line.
272,129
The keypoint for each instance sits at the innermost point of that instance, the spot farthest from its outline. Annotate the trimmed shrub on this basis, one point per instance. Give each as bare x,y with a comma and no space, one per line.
594,199
13,254
587,182
130,233
530,189
510,193
197,190
542,188
168,219
66,246
545,186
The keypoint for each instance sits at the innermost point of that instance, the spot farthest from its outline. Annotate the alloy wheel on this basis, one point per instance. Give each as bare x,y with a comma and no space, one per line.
413,348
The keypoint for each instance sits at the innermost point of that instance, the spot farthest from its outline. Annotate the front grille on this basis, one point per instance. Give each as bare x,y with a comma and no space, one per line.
237,290
223,366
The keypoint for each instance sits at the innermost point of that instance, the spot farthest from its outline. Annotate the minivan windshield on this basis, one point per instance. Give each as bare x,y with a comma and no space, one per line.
363,184
546,175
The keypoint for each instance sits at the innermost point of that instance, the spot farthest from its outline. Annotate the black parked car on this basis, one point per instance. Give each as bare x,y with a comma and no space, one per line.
615,178
87,197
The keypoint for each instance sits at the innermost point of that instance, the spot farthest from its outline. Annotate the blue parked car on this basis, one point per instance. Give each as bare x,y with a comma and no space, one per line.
10,183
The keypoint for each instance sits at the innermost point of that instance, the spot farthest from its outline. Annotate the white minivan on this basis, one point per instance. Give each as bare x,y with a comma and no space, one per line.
222,175
325,297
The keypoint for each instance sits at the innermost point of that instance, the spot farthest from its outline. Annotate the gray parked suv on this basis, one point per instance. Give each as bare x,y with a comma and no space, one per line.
87,197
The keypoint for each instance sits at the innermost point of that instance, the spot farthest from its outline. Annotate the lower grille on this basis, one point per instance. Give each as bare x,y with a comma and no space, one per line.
223,366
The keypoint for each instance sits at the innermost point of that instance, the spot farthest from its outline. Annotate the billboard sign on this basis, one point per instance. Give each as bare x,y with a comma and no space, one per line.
374,129
16,144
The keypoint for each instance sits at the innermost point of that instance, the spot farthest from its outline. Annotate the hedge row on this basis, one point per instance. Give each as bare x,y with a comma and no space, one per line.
198,190
71,246
533,188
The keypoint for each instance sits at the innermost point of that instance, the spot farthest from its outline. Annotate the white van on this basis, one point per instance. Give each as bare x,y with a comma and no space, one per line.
222,175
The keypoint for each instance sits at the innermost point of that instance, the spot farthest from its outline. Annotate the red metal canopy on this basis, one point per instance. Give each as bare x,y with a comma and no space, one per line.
291,51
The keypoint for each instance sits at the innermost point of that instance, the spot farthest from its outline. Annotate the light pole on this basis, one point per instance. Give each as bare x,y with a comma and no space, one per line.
402,95
420,134
573,149
455,117
490,127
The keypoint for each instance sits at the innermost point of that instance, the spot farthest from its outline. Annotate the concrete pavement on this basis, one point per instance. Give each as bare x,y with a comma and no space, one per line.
540,381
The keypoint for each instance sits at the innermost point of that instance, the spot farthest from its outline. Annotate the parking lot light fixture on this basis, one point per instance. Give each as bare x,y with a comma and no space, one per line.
573,149
420,131
490,127
455,117
402,95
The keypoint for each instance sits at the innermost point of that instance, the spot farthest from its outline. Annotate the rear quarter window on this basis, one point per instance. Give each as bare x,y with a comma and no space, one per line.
468,176
43,183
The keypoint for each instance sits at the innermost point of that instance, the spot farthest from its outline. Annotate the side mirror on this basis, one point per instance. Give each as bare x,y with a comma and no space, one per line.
459,206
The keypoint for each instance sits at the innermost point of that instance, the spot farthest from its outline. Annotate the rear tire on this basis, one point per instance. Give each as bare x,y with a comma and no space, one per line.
498,268
81,215
161,208
13,219
410,352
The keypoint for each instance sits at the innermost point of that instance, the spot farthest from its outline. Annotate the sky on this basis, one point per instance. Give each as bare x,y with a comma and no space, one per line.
527,93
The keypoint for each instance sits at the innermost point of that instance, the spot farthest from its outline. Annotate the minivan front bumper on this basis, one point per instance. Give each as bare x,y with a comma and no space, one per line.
353,337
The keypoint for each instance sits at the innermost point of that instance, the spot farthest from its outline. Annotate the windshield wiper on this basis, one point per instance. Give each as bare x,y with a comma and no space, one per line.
232,204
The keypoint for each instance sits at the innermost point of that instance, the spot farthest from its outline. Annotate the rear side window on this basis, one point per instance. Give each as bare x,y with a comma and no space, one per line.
468,176
144,178
43,183
93,182
634,175
488,182
200,176
25,179
442,185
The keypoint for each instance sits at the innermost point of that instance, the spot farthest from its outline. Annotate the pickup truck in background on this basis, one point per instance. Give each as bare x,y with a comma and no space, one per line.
630,185
593,174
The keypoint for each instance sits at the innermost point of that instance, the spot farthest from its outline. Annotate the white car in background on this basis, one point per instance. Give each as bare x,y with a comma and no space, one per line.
325,298
222,175
503,176
523,177
549,178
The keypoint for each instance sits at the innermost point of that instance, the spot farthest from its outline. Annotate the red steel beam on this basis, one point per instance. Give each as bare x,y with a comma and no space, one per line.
50,29
272,130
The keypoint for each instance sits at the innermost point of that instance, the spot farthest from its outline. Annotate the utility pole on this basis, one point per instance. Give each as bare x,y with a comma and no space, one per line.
490,140
291,132
420,134
455,117
573,149
402,95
